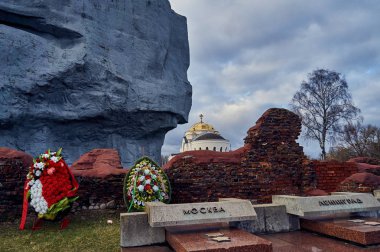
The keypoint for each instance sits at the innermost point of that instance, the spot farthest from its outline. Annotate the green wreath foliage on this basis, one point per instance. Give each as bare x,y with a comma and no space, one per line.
145,182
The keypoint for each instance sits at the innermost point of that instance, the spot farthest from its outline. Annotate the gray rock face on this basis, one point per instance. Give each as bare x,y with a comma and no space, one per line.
84,74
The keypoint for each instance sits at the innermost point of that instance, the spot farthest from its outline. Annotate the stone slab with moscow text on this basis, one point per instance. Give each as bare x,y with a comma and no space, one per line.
163,215
323,205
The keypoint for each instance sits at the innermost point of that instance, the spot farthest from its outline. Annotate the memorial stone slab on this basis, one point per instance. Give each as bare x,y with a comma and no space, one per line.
324,205
163,215
183,240
271,218
345,193
364,233
135,231
376,193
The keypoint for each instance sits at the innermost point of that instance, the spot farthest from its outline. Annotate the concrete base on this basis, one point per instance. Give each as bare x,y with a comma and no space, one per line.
344,229
184,240
135,231
271,218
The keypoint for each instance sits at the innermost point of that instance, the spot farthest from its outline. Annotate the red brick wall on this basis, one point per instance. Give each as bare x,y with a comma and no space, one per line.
97,191
329,174
12,178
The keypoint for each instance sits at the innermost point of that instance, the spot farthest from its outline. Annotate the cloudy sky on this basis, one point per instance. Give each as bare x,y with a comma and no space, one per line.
251,55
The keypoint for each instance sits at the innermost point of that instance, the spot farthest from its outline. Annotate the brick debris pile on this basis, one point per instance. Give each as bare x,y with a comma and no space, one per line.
100,176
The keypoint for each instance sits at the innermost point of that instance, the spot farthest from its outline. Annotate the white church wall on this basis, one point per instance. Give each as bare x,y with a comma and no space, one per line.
213,145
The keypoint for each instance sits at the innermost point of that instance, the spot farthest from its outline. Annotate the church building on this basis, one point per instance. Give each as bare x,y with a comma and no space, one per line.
203,136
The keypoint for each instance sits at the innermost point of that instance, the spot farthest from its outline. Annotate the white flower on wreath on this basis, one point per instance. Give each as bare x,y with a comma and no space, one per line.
146,171
155,188
45,155
154,176
54,159
37,172
37,199
142,178
147,182
141,188
39,165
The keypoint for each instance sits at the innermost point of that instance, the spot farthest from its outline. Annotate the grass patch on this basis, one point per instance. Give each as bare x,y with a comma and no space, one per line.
87,231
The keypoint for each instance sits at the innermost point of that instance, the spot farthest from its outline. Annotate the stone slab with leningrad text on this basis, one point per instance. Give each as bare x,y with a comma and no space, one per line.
163,215
324,205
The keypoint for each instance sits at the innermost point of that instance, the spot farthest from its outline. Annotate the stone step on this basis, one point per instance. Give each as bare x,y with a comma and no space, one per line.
181,239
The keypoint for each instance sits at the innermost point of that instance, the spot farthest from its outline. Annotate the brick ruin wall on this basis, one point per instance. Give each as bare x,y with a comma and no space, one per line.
271,162
99,193
330,174
12,175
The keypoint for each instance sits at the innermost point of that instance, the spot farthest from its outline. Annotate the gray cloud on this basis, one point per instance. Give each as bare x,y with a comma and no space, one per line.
250,55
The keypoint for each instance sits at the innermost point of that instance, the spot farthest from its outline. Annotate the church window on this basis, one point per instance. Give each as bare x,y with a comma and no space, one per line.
206,148
214,149
221,149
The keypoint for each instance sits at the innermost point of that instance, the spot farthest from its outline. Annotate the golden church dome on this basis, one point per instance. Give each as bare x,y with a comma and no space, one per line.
203,136
201,126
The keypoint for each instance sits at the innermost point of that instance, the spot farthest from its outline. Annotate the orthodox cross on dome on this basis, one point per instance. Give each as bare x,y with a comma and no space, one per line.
201,116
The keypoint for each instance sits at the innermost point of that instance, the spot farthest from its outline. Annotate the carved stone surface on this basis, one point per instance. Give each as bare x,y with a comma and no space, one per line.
85,74
325,205
162,215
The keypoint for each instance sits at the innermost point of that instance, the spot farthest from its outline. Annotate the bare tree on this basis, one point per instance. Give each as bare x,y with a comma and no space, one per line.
325,105
340,153
363,140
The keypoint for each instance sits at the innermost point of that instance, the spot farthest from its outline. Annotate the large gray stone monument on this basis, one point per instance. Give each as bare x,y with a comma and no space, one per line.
84,74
